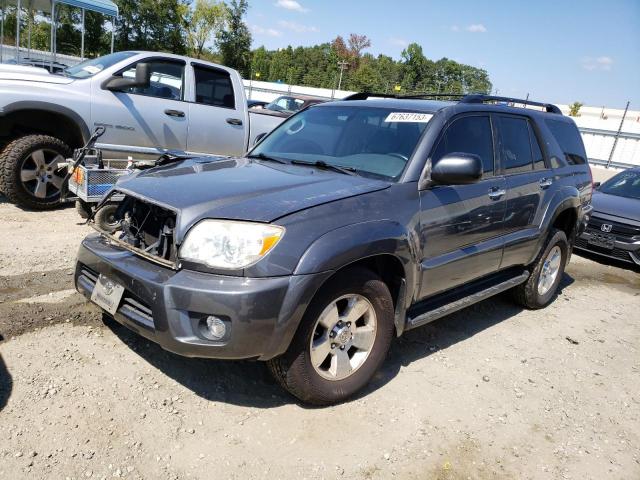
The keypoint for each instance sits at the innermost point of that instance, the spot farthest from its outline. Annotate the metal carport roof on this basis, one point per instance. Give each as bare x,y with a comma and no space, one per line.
106,7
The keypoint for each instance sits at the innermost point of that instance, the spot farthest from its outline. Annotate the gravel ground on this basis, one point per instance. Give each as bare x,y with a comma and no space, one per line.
492,392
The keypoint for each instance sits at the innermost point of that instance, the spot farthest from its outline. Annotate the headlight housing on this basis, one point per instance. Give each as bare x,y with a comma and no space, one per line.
228,244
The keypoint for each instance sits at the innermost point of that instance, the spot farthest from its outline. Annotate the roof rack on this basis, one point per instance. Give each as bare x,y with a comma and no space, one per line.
462,98
549,107
366,95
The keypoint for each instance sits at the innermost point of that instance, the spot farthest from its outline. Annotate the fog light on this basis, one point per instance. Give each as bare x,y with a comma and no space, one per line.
216,327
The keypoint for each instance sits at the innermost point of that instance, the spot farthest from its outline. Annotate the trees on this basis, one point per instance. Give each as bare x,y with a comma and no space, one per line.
152,25
234,42
205,22
574,109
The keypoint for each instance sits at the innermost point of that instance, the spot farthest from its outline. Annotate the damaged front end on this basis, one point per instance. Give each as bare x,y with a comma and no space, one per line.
142,227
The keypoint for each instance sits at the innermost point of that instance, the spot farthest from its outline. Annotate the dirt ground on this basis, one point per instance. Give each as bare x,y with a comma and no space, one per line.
492,392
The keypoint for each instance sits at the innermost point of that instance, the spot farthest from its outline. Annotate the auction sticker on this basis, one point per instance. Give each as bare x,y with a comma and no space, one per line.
409,117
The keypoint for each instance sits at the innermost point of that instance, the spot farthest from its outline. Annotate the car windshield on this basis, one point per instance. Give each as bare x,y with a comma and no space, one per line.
625,184
90,67
286,104
374,141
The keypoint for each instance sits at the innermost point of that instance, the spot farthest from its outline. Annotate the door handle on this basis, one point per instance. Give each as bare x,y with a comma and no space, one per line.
234,121
496,192
545,182
174,113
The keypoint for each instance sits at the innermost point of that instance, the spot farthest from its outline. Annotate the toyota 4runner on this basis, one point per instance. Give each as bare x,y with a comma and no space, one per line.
351,222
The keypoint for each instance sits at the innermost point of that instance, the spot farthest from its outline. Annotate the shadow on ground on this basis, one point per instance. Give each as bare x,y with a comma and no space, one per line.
6,382
250,384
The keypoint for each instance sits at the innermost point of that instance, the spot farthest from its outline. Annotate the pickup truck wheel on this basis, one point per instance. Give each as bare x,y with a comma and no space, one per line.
105,217
342,340
30,172
542,285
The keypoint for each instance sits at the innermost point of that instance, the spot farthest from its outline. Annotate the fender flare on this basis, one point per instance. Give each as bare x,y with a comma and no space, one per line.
52,108
566,198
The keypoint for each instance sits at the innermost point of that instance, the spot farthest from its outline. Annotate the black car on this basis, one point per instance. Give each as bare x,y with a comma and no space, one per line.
349,224
614,228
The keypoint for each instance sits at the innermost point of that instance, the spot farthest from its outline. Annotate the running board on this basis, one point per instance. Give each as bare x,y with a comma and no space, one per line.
464,302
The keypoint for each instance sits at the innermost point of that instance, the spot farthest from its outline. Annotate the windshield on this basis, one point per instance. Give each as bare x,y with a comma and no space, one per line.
90,67
374,141
286,104
625,184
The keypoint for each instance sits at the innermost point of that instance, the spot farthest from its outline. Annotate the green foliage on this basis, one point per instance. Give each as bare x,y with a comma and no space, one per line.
574,109
205,22
234,42
158,25
317,66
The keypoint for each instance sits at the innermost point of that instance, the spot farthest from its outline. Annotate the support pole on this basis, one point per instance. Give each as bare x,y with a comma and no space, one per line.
29,22
82,38
54,19
4,6
18,12
113,32
615,140
53,37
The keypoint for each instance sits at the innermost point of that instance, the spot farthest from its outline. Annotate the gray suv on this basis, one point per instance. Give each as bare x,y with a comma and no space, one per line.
349,224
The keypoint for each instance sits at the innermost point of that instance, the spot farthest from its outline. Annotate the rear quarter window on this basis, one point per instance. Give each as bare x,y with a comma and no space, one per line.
570,141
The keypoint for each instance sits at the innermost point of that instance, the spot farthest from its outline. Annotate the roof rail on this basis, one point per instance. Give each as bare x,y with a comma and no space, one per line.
366,95
549,107
461,97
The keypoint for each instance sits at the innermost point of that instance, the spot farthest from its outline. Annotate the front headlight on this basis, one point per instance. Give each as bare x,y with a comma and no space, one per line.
229,244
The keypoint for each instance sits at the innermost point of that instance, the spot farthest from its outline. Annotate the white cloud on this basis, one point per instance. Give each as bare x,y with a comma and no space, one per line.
455,28
476,28
398,42
297,27
269,32
291,5
598,63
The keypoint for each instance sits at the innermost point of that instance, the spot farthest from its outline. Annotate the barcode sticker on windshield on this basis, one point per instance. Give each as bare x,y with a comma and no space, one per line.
408,117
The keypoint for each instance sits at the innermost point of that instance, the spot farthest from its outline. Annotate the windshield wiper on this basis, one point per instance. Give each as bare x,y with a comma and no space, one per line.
262,156
327,166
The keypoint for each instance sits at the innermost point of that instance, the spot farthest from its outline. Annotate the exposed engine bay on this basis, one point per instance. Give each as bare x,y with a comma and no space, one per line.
146,227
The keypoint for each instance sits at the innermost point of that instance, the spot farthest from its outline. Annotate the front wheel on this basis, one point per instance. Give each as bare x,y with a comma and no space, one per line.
32,171
542,285
342,340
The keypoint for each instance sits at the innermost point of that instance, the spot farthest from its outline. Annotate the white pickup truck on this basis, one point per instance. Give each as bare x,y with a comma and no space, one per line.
149,103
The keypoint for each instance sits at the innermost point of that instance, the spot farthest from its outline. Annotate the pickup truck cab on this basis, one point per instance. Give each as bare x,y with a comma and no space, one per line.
350,223
150,104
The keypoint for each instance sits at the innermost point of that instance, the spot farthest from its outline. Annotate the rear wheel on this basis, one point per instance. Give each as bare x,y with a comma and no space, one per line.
541,287
83,209
342,340
31,173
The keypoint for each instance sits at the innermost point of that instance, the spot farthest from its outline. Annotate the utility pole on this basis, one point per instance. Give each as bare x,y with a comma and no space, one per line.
342,66
615,140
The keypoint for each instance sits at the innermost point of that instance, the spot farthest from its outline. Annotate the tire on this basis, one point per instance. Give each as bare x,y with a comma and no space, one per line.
104,217
533,294
324,384
29,176
83,209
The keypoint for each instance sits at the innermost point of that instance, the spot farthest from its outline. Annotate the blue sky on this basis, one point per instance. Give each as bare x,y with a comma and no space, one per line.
560,51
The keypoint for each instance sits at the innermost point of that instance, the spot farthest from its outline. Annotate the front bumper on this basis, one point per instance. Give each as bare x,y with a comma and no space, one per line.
626,251
168,307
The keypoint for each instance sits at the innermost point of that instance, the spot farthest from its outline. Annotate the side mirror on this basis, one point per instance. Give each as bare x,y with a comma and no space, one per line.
457,169
596,185
259,138
142,79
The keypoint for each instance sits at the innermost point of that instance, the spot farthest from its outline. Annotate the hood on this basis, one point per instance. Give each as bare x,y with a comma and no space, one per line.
617,206
31,74
241,189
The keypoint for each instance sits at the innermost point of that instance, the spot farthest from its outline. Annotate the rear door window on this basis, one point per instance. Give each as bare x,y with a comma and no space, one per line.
471,134
515,145
213,87
538,157
570,141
